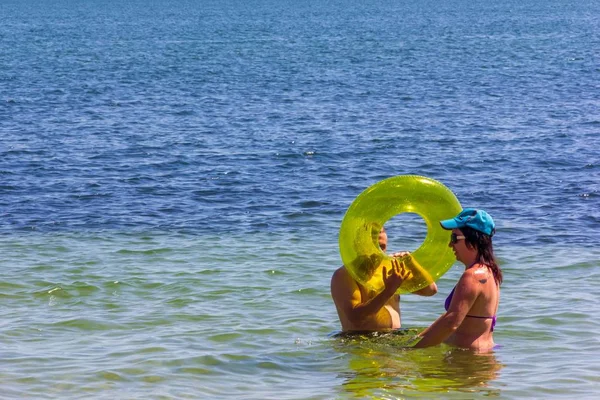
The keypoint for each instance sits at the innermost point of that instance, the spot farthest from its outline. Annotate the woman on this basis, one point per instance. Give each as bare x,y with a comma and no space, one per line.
472,305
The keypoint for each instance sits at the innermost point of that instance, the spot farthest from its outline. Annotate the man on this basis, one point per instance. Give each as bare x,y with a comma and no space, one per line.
360,309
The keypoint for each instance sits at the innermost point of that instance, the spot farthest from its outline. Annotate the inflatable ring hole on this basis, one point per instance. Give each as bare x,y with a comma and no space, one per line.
406,232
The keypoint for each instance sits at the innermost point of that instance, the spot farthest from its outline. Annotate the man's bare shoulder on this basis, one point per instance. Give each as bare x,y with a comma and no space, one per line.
339,275
341,272
342,278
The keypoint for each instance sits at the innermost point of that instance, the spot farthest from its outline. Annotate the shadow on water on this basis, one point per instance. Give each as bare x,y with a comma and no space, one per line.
380,365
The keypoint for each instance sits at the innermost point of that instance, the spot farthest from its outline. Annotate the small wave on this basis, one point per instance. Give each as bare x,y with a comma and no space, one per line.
86,324
146,252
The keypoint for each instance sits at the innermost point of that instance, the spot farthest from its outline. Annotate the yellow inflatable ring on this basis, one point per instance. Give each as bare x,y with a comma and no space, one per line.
359,231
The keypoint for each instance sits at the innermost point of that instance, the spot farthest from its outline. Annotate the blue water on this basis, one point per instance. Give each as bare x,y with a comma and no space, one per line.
173,176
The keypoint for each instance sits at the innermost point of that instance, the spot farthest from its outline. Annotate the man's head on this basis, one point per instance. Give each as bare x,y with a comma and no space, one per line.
366,265
383,239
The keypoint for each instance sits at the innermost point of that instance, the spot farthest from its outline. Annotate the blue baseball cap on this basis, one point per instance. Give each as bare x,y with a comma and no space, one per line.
476,219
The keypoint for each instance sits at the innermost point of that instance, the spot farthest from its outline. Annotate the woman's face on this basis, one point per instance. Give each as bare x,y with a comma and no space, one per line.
459,245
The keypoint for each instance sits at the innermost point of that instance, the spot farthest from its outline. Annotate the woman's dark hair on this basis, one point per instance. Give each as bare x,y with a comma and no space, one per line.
485,251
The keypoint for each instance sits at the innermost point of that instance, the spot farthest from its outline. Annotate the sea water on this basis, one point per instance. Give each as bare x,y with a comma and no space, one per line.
173,176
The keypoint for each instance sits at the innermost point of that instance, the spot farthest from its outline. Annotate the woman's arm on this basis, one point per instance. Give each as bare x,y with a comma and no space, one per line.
465,294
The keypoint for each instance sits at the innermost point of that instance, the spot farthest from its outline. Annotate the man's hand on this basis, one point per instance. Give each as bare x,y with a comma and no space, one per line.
398,273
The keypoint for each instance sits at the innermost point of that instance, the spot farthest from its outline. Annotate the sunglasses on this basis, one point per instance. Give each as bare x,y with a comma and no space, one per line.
454,238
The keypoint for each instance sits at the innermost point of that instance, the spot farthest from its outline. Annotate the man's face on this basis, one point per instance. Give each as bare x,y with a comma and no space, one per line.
383,239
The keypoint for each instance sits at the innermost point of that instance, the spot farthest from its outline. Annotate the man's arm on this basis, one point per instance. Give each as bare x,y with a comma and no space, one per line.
428,290
419,273
347,296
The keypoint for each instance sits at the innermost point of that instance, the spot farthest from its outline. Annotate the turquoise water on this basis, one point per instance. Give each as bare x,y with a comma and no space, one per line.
179,316
173,176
